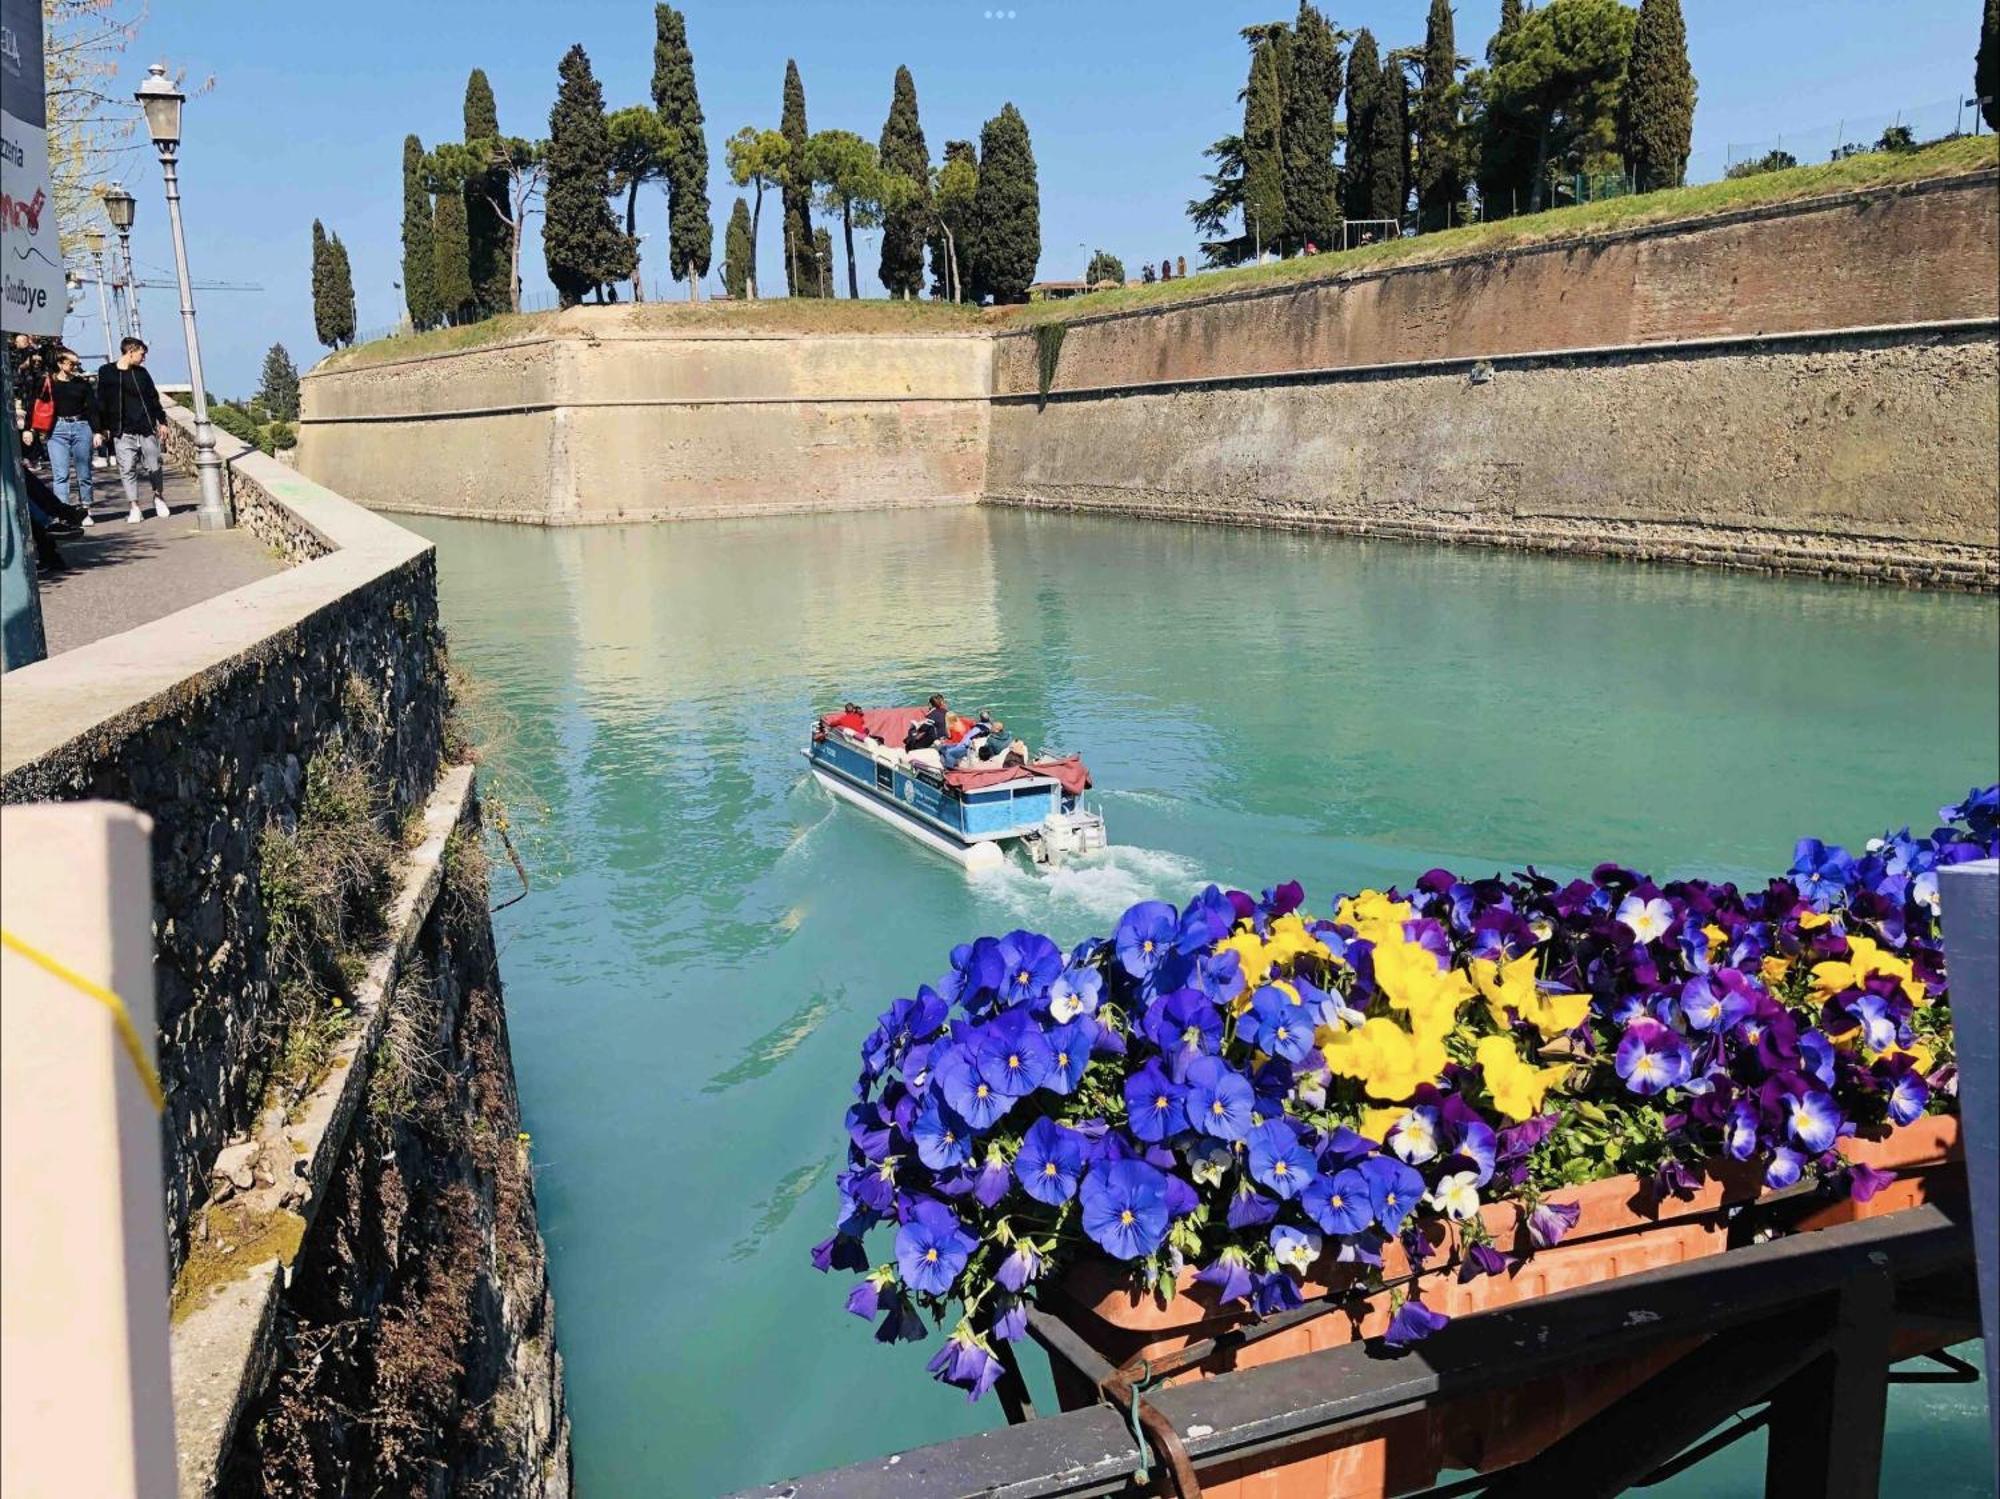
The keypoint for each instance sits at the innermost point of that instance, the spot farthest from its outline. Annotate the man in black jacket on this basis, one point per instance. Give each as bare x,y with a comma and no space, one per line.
129,413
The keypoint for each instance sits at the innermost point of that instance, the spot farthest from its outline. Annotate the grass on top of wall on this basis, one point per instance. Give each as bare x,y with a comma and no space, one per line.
1874,169
778,316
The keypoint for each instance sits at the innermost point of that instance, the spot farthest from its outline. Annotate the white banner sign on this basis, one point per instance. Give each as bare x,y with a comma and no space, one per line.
31,264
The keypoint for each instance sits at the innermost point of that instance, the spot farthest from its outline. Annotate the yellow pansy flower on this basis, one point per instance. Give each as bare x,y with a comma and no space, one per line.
1774,968
1289,941
1717,939
1865,959
1251,953
1376,1123
1517,1088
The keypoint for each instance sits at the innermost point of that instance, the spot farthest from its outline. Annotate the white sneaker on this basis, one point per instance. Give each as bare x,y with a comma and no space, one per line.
89,519
134,517
160,508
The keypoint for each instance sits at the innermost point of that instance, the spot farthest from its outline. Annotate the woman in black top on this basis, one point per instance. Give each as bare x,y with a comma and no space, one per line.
75,431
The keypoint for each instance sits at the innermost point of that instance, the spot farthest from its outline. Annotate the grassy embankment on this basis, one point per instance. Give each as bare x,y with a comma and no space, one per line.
785,316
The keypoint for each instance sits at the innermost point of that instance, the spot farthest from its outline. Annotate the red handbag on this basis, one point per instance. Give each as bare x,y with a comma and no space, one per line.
42,415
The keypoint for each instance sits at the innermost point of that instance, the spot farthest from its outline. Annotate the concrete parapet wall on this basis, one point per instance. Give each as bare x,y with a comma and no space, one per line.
580,428
1864,455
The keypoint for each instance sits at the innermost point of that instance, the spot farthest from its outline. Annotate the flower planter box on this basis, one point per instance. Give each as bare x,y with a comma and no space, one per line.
1621,1231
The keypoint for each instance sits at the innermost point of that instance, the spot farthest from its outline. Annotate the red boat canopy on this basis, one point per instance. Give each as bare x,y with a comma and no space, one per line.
892,726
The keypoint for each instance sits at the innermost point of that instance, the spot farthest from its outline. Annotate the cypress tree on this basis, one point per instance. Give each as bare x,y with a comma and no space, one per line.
691,233
583,245
1498,141
340,293
486,245
419,258
451,263
1312,181
1510,19
279,386
322,271
1364,95
736,252
1264,139
1986,66
801,275
1392,142
1656,110
1007,210
904,154
1440,141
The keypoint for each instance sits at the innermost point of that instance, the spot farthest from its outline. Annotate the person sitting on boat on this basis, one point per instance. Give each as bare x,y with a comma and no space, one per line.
975,740
930,729
849,718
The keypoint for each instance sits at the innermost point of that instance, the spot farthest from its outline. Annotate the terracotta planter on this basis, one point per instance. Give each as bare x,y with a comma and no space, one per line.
1621,1231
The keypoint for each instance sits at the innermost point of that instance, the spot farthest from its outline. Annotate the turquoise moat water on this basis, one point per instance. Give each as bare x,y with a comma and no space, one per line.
710,935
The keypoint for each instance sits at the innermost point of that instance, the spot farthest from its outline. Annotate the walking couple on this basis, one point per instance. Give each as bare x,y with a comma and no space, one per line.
121,411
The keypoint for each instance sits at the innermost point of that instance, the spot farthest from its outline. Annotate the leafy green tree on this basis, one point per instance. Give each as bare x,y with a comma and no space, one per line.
1264,135
340,294
1656,109
1105,266
322,285
802,277
1552,97
486,252
507,174
738,251
904,154
757,159
1898,138
1770,161
823,260
452,272
419,258
279,386
1006,210
1439,133
1986,66
954,189
851,182
691,234
642,148
1213,214
1360,188
1510,17
1311,180
583,245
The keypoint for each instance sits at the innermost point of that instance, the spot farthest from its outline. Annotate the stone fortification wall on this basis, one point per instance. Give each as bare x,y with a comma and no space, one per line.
1861,456
1922,252
597,422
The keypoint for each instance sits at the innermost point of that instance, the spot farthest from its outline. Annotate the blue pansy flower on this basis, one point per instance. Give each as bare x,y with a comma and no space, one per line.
1154,1106
966,1361
1909,1097
1784,1169
1229,1273
1280,1160
1394,1190
932,1248
901,1322
975,1100
1145,936
1652,1057
1283,1026
1274,1292
1219,1100
1014,1055
1412,1323
1184,1025
1822,872
1021,1268
943,1139
1247,1207
1033,964
1294,1248
1207,919
1075,992
1739,1131
1125,1208
1816,1055
1814,1121
1341,1203
1051,1161
1069,1055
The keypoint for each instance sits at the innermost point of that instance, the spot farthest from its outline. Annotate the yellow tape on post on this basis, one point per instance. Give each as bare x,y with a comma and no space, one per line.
120,1016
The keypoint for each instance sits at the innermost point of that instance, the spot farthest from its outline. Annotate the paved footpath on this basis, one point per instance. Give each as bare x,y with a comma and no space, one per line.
122,576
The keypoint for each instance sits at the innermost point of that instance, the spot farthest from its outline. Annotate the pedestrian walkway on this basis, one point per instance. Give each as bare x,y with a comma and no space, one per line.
121,576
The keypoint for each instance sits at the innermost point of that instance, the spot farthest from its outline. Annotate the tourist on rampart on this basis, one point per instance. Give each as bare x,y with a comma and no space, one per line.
74,432
130,414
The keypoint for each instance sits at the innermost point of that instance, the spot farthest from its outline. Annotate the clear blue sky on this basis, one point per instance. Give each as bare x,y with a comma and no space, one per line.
311,102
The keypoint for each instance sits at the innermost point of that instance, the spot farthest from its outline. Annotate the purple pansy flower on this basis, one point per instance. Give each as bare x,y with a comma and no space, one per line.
1279,1158
932,1248
1412,1323
1125,1208
1155,1105
1652,1057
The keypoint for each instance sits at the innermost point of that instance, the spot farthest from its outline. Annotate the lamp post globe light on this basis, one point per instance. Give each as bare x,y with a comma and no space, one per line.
93,241
119,207
162,103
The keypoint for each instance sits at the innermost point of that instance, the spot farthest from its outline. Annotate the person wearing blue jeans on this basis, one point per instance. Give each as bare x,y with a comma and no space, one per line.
952,755
75,432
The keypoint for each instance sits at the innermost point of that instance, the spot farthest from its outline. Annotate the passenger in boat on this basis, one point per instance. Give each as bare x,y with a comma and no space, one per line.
974,739
931,728
849,718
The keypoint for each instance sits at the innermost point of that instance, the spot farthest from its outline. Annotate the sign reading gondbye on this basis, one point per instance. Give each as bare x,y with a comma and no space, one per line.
31,264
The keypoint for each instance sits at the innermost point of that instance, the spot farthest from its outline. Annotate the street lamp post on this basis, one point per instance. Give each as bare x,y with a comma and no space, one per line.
93,241
162,103
119,207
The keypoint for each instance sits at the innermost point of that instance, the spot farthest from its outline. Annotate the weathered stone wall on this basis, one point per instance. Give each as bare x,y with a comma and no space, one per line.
1921,252
215,762
599,422
416,1340
1862,456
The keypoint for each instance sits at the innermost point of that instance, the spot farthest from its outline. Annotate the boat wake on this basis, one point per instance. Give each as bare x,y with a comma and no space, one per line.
1100,885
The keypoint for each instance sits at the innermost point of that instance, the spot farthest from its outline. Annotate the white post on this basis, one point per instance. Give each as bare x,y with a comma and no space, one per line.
214,513
86,1402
